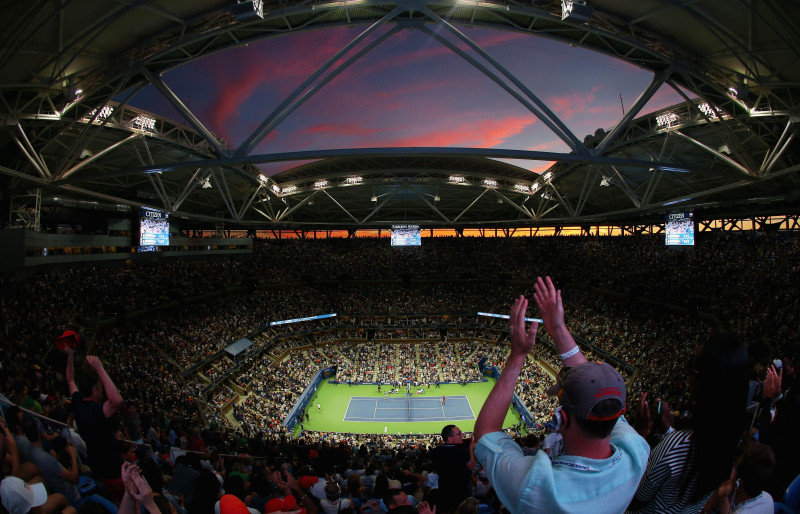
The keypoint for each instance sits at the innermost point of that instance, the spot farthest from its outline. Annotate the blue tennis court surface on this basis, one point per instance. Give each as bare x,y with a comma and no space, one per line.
368,408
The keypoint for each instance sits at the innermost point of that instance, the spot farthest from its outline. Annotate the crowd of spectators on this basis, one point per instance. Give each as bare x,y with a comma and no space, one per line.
630,298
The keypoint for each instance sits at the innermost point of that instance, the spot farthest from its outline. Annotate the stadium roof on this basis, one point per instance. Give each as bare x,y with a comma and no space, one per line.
729,151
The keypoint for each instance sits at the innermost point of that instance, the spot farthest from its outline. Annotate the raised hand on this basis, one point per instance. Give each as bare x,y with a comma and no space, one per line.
521,341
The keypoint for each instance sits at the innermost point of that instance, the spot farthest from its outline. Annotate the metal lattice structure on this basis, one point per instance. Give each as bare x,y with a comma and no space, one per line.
730,152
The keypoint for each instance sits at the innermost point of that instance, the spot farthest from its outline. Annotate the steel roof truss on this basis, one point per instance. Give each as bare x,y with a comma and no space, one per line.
723,129
512,203
96,156
543,113
190,185
82,141
379,206
245,206
562,200
339,204
428,203
302,91
780,146
470,205
714,152
176,102
588,184
638,105
224,192
302,202
300,96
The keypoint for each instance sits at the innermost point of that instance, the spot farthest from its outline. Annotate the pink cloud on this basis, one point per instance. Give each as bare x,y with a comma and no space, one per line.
485,134
547,146
338,129
571,103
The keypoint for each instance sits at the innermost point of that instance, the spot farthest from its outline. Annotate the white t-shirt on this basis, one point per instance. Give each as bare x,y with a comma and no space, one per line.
555,443
761,504
332,507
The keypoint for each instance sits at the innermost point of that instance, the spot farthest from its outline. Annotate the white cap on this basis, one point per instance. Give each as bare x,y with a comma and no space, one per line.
19,497
778,363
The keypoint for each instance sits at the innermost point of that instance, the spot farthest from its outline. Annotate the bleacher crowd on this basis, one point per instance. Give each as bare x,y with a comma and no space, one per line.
629,298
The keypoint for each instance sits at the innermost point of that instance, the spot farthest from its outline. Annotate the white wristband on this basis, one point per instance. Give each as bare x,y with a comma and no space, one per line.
565,356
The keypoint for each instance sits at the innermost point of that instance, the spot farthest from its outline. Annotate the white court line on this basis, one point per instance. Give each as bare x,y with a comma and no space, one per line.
416,420
347,409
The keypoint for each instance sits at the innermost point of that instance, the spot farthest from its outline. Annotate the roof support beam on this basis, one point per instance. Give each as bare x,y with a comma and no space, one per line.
340,205
513,204
190,185
429,204
32,160
778,149
647,94
302,92
96,156
554,121
34,155
302,202
247,205
586,191
468,207
173,99
224,192
714,152
493,153
623,184
379,207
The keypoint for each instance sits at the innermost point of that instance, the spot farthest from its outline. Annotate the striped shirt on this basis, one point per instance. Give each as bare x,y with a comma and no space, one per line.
660,487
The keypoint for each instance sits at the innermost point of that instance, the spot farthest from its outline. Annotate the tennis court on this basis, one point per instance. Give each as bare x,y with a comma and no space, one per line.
365,408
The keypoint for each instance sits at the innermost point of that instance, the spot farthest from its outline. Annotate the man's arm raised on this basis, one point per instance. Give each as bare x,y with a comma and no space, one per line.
548,299
494,409
114,399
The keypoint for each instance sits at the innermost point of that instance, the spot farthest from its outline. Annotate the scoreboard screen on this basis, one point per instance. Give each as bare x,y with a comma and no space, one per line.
680,229
153,227
406,235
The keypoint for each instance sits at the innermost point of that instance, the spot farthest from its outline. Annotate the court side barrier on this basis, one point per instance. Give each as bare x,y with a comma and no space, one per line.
293,418
523,411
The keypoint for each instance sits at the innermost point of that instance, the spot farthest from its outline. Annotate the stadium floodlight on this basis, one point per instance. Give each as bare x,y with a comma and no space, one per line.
103,113
262,179
373,198
206,183
546,195
289,190
547,177
605,181
250,10
489,182
522,188
706,109
667,119
457,179
350,181
576,10
319,184
535,187
142,122
276,189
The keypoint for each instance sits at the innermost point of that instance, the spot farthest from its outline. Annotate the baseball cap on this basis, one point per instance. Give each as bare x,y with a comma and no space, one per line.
395,484
284,504
19,496
306,482
588,384
230,504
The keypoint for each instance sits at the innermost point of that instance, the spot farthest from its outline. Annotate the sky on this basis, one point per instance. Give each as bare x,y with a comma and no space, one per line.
409,91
